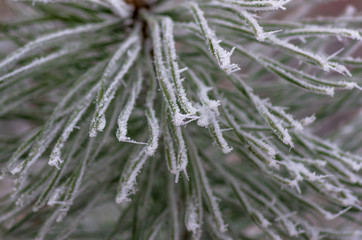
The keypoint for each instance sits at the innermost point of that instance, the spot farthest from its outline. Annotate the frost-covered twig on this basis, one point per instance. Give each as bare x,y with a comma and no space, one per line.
126,112
127,181
151,115
105,96
209,197
261,5
120,7
222,56
49,39
165,83
170,51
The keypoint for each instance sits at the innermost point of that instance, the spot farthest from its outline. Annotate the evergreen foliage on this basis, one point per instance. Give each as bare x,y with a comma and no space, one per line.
170,119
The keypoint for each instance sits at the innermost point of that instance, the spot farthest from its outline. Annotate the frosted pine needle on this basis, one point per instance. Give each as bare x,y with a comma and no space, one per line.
163,77
34,65
105,96
272,150
193,217
174,70
120,7
50,39
261,5
126,112
222,56
209,197
127,182
55,156
311,31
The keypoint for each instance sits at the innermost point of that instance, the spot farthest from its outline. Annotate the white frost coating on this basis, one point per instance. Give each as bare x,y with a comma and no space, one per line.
155,131
269,150
315,162
301,173
35,63
330,216
74,183
208,114
169,150
222,56
102,120
171,57
303,84
99,2
104,99
336,84
260,154
120,7
287,72
349,85
326,214
217,134
128,178
163,77
332,151
292,227
261,5
299,78
210,103
253,142
55,178
99,121
333,188
50,38
286,116
248,18
311,30
351,60
261,105
112,65
353,164
273,122
38,149
275,207
54,198
203,120
320,60
172,203
55,156
341,194
181,158
151,116
18,153
72,187
345,170
202,92
126,112
212,230
210,198
85,79
259,33
193,216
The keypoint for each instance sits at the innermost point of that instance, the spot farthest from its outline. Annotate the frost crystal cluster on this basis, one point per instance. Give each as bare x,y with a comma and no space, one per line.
172,119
